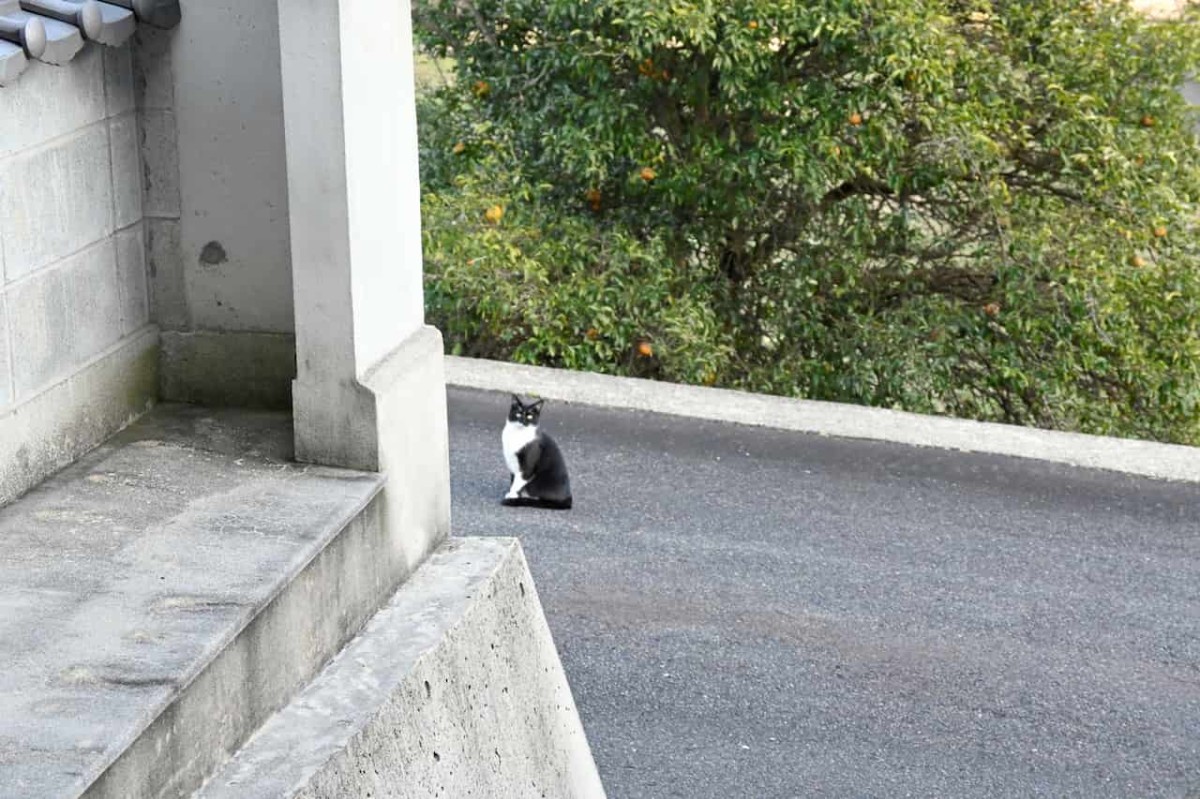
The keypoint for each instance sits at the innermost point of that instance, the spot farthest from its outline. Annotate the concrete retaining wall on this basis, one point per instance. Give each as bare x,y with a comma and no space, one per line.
454,689
73,287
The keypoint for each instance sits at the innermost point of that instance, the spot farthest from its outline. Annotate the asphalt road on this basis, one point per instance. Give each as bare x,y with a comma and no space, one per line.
750,613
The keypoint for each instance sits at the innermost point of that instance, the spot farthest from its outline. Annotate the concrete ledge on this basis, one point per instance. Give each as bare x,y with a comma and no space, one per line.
1149,459
53,428
170,591
228,369
392,419
454,689
409,389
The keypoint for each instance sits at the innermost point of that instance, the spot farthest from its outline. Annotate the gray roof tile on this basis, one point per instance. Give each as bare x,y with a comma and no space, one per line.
54,31
63,41
12,61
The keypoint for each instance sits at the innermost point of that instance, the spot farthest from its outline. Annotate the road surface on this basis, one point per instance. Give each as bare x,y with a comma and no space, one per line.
752,613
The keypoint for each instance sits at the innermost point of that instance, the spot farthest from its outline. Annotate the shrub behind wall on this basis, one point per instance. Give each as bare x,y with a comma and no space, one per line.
987,209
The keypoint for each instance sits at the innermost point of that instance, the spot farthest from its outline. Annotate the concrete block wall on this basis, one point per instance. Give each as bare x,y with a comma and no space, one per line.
73,284
70,218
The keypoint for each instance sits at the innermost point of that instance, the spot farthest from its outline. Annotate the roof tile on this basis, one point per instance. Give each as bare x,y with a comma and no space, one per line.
54,31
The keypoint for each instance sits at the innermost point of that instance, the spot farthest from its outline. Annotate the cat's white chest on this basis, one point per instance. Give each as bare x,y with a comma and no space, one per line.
514,438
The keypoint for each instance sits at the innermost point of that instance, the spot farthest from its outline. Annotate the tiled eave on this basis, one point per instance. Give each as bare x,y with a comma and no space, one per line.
54,31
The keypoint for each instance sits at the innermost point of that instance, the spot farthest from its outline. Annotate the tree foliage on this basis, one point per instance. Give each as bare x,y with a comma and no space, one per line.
983,208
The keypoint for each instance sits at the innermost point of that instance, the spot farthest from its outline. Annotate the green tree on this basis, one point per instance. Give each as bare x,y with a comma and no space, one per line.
980,208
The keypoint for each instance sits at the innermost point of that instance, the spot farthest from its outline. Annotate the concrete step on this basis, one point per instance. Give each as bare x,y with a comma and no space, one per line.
166,594
454,689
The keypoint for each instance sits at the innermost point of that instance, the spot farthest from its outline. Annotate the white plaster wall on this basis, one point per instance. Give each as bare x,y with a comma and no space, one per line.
72,256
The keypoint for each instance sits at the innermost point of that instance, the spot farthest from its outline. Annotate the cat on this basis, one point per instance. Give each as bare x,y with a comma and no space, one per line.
539,471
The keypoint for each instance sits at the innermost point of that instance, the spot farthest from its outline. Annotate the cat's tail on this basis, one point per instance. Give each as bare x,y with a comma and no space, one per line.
536,502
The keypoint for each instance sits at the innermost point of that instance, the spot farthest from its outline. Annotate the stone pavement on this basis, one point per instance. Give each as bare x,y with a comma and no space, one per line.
745,612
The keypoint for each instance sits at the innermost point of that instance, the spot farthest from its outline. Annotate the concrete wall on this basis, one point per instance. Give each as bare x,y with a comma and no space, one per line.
217,203
454,689
73,288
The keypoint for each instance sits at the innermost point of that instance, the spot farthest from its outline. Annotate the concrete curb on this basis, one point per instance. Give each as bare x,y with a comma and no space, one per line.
1143,458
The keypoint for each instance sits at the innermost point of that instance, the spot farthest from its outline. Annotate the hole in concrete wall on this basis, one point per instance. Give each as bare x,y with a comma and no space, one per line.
436,756
428,690
522,587
213,253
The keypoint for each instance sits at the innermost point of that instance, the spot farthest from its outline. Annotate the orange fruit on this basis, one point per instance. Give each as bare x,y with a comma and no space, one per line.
646,67
592,334
992,309
856,119
644,349
648,174
1138,261
458,148
494,214
752,25
481,88
1148,121
1160,231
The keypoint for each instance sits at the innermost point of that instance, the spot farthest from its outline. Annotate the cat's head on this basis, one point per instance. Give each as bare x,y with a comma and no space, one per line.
524,414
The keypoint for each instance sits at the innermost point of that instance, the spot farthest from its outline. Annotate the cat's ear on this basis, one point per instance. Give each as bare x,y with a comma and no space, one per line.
538,404
517,401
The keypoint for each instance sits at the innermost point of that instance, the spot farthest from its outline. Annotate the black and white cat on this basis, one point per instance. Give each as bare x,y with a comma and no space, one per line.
539,472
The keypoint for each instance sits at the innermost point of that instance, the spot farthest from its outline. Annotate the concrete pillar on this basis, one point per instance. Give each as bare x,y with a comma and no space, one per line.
369,392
